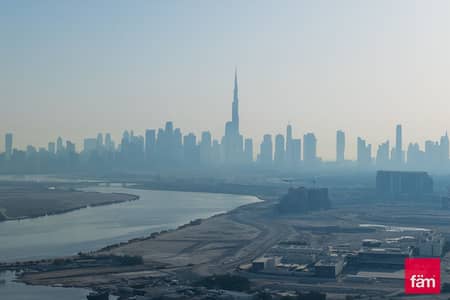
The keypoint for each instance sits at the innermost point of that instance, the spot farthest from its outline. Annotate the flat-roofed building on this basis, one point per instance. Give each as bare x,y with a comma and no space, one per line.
396,185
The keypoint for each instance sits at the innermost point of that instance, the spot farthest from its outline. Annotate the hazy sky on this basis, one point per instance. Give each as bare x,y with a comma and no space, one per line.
75,68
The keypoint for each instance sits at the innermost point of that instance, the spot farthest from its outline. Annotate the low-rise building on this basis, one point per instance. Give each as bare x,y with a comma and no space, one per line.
295,254
329,267
381,257
431,245
265,263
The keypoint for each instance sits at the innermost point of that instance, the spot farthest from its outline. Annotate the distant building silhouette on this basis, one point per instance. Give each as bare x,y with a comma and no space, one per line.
109,143
415,157
364,153
100,145
279,156
248,150
398,151
266,150
296,153
70,147
233,141
191,152
90,145
8,145
150,144
432,154
340,146
205,148
309,149
396,185
444,150
382,158
59,146
289,151
51,148
303,200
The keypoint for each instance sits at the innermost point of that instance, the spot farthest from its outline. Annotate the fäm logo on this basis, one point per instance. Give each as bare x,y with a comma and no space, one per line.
422,276
418,281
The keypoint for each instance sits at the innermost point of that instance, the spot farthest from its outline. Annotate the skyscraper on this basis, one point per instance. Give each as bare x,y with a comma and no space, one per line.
444,149
70,147
109,144
8,145
432,153
382,159
289,153
279,150
216,152
235,112
51,147
340,146
59,146
398,159
90,145
248,150
99,142
150,143
266,150
309,149
296,152
364,152
232,141
205,148
191,153
415,157
169,127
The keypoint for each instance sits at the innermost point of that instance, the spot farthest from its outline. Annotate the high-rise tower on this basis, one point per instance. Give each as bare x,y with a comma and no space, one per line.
235,110
8,145
340,146
398,145
289,152
232,141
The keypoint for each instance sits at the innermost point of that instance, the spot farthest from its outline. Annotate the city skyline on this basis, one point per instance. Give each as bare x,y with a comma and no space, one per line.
307,64
170,146
232,140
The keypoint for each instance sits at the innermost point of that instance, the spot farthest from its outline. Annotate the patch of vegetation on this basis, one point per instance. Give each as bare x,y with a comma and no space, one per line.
61,261
445,288
312,296
446,247
225,282
299,296
2,216
128,260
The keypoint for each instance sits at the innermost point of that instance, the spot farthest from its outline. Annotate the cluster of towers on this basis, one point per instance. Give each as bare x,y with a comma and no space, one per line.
168,147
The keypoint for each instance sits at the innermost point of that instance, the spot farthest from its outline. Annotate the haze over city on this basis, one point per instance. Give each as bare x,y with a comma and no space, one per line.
198,150
75,69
